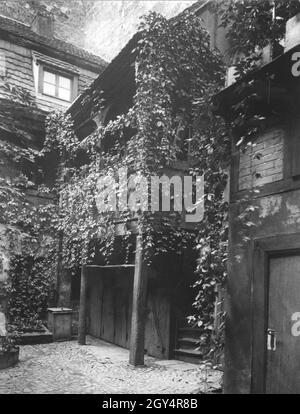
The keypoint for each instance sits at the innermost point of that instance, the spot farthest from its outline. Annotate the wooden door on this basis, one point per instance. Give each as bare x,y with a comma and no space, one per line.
283,338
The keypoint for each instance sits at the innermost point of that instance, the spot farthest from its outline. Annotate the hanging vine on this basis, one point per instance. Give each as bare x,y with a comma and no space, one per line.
170,120
171,117
28,223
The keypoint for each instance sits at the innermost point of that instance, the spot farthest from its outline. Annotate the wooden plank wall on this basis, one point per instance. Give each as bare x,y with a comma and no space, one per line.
110,308
123,309
157,330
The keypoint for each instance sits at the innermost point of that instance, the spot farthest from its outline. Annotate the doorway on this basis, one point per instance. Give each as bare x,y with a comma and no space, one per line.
283,334
276,315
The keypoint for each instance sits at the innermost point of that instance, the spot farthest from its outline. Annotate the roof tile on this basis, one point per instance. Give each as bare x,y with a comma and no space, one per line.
23,30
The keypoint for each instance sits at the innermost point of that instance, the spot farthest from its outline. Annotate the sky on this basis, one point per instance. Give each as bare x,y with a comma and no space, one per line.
112,23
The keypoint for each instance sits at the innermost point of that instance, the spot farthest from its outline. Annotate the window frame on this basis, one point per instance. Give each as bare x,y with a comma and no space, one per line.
58,73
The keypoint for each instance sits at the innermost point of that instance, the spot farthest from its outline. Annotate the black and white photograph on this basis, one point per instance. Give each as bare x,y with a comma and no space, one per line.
149,200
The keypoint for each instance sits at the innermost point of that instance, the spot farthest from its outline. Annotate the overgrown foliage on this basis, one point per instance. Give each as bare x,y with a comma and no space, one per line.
170,120
29,288
28,226
251,25
28,238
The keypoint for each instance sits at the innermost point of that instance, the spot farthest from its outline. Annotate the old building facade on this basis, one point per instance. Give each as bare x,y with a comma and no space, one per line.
38,73
116,305
51,73
262,338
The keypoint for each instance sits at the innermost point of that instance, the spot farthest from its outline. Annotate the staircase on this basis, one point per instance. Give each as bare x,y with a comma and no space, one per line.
187,344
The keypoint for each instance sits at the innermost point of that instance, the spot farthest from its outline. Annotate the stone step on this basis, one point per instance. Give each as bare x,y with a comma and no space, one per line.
194,333
188,343
193,341
188,355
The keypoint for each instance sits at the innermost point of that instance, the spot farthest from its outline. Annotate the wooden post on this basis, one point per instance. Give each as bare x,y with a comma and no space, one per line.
82,308
137,336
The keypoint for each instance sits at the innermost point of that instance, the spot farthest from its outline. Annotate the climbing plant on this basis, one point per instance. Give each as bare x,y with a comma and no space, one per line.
28,220
251,25
170,120
29,290
177,75
28,239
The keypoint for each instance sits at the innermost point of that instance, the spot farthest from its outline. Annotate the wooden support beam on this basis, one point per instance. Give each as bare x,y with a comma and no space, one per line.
137,336
82,309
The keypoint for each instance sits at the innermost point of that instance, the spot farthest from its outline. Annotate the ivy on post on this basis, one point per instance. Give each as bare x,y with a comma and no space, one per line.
82,309
169,120
136,356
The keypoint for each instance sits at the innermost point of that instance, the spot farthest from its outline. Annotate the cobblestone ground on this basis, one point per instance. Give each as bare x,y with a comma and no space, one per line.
99,368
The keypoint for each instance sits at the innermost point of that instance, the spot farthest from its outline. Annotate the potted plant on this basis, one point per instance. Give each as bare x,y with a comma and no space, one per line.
9,351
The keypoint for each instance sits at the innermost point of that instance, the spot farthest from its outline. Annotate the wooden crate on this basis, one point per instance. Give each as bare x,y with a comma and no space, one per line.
60,323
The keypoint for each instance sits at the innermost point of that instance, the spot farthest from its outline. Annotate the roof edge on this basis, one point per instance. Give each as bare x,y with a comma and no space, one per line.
44,42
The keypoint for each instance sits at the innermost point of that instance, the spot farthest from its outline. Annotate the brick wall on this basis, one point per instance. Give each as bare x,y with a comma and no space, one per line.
262,163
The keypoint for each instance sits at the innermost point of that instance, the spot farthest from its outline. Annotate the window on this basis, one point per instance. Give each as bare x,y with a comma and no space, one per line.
57,85
56,80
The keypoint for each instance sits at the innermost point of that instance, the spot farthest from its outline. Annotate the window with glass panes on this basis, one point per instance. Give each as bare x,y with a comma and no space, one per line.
57,85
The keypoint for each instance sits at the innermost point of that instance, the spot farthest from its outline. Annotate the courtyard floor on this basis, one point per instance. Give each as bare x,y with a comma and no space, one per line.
100,368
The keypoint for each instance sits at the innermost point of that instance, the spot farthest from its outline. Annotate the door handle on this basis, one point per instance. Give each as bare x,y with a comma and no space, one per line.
271,340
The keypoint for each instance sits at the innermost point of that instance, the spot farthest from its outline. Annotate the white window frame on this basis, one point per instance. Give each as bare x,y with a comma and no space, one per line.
57,72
